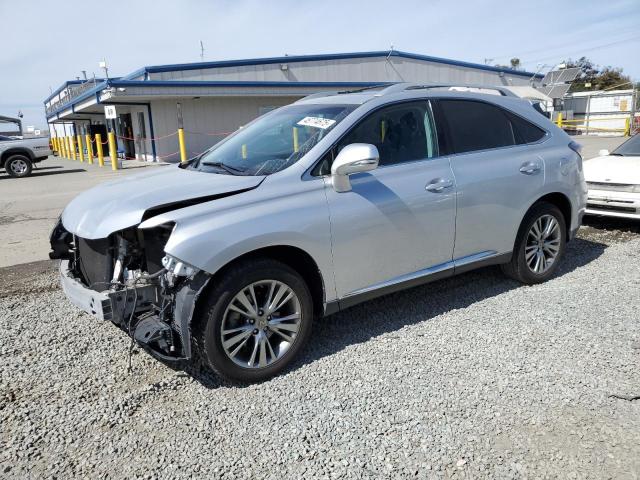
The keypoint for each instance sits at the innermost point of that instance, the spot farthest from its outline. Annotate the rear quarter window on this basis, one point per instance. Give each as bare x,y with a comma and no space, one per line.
525,132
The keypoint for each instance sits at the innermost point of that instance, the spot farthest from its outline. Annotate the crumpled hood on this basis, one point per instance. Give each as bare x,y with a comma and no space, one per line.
113,206
613,169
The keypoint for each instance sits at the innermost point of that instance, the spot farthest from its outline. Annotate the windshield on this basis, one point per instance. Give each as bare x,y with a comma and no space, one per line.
273,142
629,148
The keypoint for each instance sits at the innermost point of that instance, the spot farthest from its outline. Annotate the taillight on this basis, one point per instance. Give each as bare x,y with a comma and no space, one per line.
576,147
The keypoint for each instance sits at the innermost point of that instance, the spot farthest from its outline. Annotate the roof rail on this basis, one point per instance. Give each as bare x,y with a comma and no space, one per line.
364,89
504,91
344,92
387,89
396,87
404,86
318,95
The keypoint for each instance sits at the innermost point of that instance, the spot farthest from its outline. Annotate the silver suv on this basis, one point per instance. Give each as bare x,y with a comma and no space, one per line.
315,207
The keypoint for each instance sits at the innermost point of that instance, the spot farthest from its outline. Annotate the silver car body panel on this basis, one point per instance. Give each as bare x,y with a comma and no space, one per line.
449,267
81,296
387,229
115,205
36,147
389,225
278,213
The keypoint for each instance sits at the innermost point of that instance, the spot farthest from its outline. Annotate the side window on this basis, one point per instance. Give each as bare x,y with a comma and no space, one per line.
476,125
526,132
401,132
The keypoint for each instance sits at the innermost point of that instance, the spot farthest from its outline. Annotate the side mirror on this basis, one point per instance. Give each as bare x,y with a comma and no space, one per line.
603,153
354,158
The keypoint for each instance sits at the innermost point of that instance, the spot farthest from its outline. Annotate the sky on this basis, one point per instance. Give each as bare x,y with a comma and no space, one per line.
45,43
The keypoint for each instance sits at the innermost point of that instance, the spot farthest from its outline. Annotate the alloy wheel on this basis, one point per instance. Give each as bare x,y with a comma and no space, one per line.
18,166
543,244
261,323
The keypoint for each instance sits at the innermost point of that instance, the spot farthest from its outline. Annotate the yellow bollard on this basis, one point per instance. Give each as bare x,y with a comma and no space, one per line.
99,148
113,152
627,127
559,120
63,150
296,146
73,147
80,148
68,142
87,139
183,148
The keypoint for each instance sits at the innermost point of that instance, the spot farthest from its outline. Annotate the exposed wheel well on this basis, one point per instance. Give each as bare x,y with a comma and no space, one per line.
15,151
561,201
295,258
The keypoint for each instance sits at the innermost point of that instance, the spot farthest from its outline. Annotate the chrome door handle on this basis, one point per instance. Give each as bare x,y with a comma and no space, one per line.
529,168
438,185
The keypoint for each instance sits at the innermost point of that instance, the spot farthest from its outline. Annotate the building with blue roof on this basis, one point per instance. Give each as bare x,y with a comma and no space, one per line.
212,99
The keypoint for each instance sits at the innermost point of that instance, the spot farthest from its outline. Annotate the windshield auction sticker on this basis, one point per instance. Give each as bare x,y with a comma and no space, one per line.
316,122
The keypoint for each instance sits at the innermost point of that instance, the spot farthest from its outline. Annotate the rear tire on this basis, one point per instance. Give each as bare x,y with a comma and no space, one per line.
240,337
540,245
18,166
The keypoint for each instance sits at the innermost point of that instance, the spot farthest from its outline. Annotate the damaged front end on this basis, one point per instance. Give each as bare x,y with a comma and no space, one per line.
128,279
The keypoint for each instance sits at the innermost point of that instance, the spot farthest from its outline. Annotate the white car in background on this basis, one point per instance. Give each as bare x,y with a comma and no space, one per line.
613,180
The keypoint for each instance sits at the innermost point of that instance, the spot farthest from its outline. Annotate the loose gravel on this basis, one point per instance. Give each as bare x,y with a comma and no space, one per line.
471,377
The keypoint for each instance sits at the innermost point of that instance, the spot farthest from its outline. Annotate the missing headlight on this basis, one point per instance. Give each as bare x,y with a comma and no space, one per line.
177,267
155,240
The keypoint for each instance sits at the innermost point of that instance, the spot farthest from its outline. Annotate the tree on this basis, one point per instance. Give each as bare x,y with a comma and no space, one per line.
596,77
514,64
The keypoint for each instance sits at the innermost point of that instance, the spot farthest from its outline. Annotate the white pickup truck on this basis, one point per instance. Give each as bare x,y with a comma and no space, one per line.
17,156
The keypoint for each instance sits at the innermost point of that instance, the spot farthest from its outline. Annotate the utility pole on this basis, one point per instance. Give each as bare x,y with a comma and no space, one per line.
201,51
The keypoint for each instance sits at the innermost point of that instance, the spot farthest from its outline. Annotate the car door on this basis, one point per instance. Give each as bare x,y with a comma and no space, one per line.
397,223
498,176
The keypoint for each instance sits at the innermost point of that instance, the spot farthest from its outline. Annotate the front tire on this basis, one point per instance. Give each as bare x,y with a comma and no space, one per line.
18,166
256,320
540,245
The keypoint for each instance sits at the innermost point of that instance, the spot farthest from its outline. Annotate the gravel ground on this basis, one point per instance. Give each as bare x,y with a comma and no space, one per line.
472,377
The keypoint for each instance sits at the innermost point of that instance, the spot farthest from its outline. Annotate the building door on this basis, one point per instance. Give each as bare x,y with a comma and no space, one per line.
126,134
96,128
141,137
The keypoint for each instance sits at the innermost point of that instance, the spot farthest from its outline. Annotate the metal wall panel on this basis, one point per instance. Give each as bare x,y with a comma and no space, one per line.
349,70
206,121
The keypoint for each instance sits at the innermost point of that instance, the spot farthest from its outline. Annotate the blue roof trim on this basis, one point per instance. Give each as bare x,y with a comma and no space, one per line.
324,57
137,73
477,66
196,83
